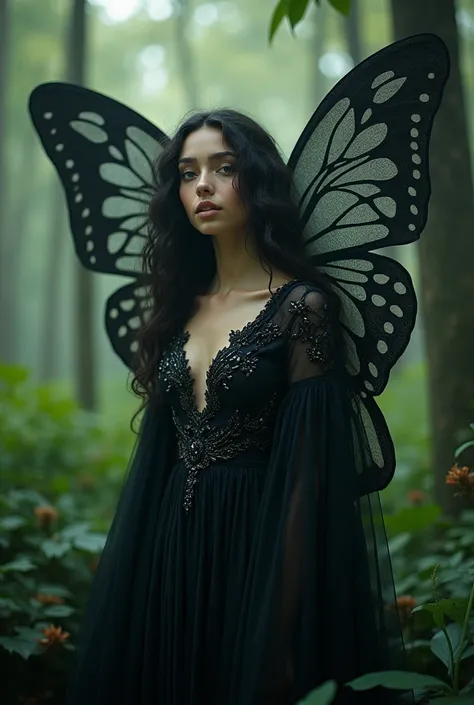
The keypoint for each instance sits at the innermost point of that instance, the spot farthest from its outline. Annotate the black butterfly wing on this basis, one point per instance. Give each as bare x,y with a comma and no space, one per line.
361,174
378,312
362,181
126,310
104,153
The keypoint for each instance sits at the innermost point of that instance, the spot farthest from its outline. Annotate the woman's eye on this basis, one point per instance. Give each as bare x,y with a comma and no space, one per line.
187,175
227,169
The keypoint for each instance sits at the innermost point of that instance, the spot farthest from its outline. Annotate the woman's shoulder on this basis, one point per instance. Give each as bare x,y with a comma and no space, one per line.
303,296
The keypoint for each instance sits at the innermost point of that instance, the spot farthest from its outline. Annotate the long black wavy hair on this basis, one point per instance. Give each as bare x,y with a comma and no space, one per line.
174,246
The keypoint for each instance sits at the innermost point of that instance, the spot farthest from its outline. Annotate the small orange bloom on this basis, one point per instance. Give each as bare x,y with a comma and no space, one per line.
463,478
416,496
49,599
46,515
405,604
53,635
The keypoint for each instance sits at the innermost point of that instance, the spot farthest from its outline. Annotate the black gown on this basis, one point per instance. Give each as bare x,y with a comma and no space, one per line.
243,566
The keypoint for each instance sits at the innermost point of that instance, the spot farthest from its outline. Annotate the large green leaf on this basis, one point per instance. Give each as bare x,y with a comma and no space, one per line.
323,695
398,680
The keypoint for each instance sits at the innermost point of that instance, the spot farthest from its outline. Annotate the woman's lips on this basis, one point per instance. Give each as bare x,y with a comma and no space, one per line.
208,213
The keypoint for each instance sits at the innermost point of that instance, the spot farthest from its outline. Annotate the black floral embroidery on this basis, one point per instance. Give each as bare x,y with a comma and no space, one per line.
312,327
200,440
200,444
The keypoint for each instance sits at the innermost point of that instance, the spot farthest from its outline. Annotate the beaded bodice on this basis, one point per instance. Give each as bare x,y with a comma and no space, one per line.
244,384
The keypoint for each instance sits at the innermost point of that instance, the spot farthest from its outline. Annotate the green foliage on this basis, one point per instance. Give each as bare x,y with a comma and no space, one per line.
295,11
466,445
61,471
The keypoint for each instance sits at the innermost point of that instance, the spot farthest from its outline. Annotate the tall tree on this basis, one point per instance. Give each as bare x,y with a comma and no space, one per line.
7,313
446,250
185,59
86,388
353,33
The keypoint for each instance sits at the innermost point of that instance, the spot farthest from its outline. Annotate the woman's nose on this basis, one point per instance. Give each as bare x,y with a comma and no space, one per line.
204,185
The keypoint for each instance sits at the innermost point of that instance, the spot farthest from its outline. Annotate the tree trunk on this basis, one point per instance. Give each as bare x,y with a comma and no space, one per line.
353,33
50,330
84,340
19,217
319,87
185,59
7,303
446,253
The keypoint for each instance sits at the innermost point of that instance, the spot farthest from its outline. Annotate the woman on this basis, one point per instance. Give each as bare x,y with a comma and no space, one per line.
241,567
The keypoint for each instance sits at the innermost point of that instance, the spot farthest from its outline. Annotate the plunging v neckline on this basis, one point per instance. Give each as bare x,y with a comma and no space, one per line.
232,336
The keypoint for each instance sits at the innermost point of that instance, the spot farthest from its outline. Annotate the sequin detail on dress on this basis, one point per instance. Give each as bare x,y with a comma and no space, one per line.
211,435
312,327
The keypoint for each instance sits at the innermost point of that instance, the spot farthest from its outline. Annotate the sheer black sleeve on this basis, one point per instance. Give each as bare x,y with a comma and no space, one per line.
318,589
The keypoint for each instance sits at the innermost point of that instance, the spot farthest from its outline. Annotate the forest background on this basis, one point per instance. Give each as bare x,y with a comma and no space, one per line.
65,405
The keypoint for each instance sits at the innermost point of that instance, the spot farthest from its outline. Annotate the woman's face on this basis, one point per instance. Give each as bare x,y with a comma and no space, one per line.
207,168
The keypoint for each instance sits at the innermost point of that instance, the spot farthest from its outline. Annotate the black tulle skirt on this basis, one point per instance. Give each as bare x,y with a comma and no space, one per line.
235,602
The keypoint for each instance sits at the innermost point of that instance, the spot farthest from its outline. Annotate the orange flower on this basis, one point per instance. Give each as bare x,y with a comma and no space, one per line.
46,515
52,636
416,496
404,606
463,478
49,599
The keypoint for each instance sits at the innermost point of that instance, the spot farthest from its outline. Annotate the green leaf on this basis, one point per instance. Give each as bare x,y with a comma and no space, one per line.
54,549
7,606
469,687
93,543
296,10
462,448
25,644
467,653
58,611
12,522
454,609
277,18
343,6
75,530
19,565
323,695
439,644
398,680
14,644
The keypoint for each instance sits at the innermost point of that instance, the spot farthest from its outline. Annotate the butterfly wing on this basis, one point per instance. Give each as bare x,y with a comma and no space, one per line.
104,154
362,182
361,178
